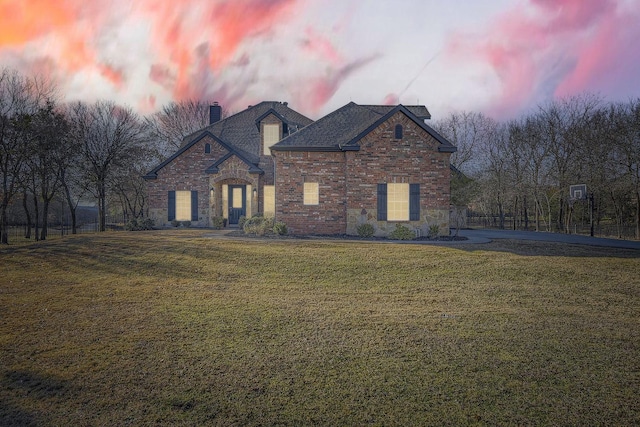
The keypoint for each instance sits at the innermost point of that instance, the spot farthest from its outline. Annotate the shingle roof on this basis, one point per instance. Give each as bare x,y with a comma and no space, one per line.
240,130
342,129
239,133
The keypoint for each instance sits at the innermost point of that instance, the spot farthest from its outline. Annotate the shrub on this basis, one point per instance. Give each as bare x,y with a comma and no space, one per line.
258,225
434,231
280,228
139,224
148,224
402,232
186,223
131,225
365,230
218,222
241,221
175,223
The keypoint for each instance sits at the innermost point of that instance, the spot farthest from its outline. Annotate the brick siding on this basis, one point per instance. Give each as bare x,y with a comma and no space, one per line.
348,182
186,172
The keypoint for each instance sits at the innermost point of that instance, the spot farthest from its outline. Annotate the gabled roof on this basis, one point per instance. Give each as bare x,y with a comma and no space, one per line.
238,133
240,130
153,174
214,167
342,129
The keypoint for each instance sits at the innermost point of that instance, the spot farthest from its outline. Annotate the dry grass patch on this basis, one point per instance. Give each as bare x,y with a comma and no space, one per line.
176,328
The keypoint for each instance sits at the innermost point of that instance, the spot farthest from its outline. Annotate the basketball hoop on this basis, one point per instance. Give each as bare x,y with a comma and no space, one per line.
577,192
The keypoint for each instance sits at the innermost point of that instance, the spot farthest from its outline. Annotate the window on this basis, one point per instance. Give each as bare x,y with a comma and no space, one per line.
270,137
398,202
207,148
398,132
236,193
269,194
183,206
311,193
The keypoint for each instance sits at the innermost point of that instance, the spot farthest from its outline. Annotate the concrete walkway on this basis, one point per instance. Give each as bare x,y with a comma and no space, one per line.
486,235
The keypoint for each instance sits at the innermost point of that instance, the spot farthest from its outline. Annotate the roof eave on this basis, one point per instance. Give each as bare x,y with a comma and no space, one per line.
304,148
447,149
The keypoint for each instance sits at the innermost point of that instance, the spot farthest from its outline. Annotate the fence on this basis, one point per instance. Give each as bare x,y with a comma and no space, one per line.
17,232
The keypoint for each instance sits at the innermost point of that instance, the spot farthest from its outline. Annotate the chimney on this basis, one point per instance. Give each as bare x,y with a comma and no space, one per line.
215,113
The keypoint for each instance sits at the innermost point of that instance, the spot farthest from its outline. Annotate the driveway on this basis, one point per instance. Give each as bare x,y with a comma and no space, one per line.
487,235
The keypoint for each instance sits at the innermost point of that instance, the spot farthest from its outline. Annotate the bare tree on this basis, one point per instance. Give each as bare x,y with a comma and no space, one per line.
48,132
175,121
469,132
111,137
626,152
563,123
69,163
19,97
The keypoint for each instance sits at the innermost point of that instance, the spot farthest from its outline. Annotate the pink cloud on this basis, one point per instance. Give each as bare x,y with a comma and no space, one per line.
320,89
391,99
321,46
555,48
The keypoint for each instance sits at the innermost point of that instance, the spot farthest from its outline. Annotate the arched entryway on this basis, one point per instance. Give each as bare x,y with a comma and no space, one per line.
232,199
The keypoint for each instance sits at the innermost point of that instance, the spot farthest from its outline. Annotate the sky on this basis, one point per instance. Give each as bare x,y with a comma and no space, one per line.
499,57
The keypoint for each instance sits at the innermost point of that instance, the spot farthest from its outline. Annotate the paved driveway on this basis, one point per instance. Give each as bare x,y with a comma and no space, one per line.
485,234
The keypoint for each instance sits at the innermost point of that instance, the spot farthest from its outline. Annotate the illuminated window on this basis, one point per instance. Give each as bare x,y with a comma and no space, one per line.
237,198
270,137
311,193
397,202
183,205
269,194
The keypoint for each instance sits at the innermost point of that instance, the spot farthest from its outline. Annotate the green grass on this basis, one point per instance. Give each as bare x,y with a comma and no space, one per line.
178,328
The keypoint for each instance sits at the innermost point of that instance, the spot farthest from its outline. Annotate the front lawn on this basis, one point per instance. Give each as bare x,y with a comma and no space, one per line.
178,328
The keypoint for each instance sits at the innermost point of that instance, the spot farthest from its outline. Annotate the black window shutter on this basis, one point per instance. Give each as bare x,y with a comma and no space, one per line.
414,202
194,206
172,205
382,202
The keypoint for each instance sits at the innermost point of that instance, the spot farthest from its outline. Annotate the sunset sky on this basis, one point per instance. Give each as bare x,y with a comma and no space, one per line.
499,57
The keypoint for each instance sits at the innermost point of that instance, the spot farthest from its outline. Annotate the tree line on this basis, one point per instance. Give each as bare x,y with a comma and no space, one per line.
517,173
521,170
79,152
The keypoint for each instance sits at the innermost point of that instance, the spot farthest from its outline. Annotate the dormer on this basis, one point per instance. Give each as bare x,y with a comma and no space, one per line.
272,127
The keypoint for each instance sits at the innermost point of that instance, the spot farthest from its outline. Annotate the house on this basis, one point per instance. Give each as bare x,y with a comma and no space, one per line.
361,163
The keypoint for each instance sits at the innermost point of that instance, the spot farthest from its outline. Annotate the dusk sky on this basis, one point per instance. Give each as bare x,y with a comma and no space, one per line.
499,57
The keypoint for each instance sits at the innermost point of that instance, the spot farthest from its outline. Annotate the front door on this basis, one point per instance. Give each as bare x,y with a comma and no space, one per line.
237,203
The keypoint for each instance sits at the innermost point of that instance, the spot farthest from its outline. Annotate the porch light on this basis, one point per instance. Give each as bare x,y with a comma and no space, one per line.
255,193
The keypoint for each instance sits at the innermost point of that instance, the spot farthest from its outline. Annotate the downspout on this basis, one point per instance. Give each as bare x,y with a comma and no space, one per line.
275,191
346,197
